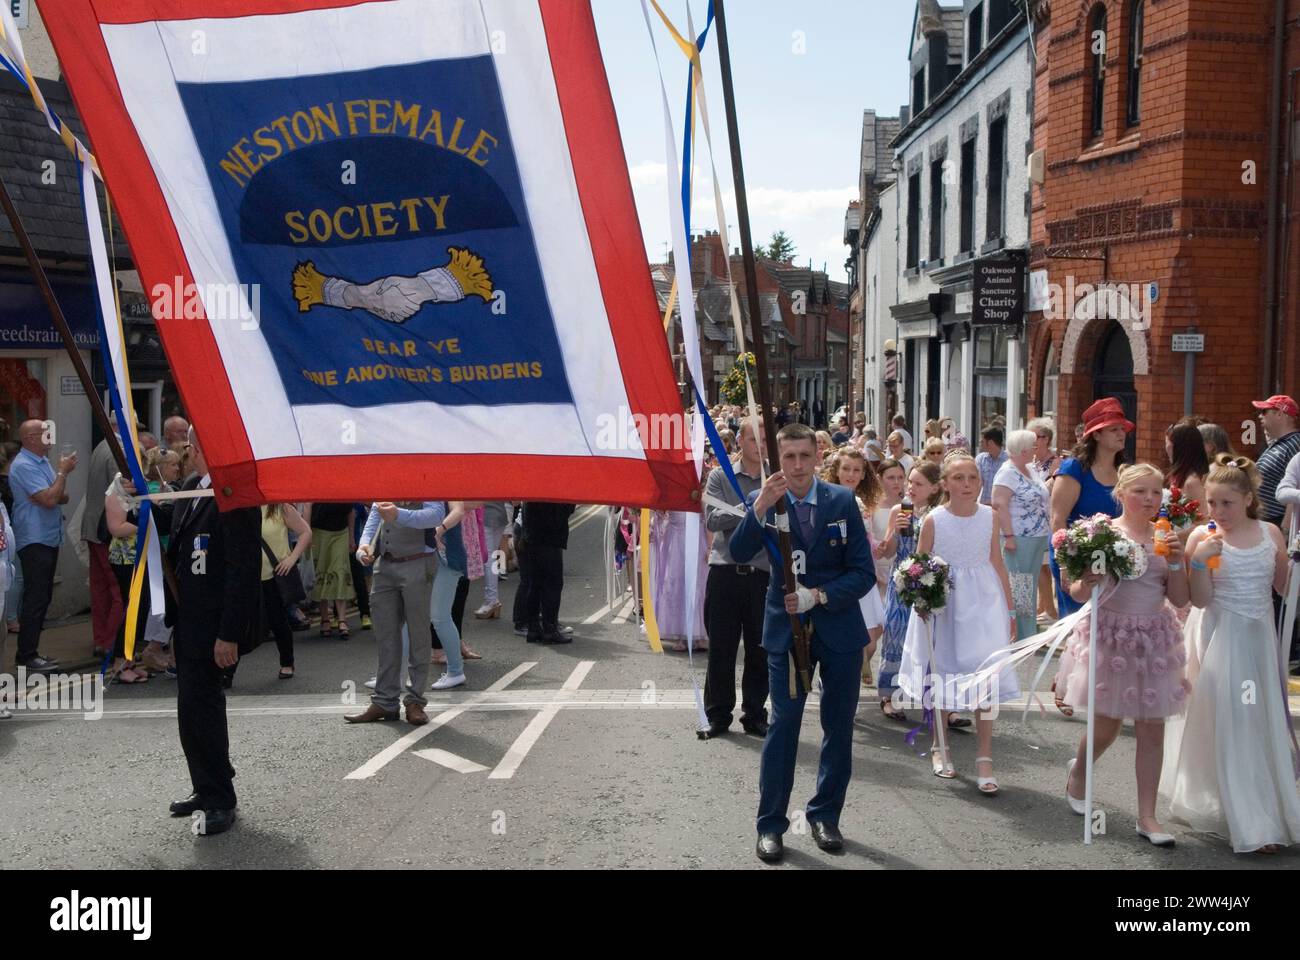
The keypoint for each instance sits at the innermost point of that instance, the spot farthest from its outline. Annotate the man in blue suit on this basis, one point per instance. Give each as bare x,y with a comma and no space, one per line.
833,568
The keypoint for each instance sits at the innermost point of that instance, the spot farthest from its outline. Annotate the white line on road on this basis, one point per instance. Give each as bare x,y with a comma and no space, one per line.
598,615
394,750
450,760
626,613
537,726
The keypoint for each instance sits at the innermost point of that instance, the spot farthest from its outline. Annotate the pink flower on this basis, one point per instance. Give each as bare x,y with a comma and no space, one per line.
1102,689
1131,695
1118,664
1150,698
915,570
1159,666
1179,695
1140,664
1058,538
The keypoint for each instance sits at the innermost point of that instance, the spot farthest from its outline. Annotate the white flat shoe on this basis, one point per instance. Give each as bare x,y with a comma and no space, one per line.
447,681
1157,839
984,783
1078,806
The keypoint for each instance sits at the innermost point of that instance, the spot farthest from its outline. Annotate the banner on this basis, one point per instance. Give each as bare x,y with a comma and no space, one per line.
391,247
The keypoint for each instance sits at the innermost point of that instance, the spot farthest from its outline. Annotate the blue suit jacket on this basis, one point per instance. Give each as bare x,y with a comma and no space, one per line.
839,563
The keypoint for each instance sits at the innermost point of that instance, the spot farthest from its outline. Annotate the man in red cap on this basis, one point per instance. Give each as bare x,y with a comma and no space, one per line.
1278,414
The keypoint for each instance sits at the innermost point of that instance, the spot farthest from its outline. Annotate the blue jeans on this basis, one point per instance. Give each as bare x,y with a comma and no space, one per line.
441,600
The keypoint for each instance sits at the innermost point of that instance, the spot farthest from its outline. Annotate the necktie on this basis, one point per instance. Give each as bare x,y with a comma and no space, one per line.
803,510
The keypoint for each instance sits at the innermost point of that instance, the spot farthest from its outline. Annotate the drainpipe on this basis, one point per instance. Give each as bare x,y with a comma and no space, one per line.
1269,381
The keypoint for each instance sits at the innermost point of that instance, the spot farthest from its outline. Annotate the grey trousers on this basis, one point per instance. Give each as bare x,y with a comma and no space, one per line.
399,594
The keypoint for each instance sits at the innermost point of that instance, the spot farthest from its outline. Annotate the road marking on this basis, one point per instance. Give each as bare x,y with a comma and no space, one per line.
627,612
588,514
598,615
537,726
450,760
394,750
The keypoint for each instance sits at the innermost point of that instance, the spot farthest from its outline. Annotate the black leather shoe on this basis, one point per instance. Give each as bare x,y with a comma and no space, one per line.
827,837
552,639
533,637
183,808
39,664
770,848
757,728
215,821
718,729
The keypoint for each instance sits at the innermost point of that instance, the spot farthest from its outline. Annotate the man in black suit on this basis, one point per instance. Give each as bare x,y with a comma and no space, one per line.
217,560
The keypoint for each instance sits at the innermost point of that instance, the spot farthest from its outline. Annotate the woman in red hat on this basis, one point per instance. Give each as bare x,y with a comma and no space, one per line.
1084,482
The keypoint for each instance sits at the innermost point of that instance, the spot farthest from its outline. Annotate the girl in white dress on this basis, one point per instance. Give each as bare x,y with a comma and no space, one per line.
977,620
1229,768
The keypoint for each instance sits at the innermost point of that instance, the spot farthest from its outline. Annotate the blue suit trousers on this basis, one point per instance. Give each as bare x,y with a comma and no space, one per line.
841,676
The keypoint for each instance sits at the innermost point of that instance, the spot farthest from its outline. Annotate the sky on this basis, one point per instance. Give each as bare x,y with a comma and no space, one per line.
804,72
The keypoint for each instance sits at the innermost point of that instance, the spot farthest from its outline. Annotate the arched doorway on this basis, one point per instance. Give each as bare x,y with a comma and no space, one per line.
1113,377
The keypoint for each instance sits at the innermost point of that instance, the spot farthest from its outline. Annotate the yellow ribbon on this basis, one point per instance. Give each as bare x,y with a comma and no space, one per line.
647,601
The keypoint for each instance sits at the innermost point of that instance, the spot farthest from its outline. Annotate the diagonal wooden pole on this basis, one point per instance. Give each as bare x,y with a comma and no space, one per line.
65,332
758,344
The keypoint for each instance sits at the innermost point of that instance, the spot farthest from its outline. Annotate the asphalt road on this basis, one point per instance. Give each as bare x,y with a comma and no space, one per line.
579,756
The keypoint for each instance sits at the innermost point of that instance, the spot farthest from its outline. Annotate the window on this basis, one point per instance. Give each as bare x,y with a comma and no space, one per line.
914,220
918,92
1047,404
1001,13
996,222
1136,26
974,32
967,239
1097,45
936,209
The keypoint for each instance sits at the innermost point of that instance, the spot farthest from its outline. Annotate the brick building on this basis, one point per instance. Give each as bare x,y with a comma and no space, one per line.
1154,131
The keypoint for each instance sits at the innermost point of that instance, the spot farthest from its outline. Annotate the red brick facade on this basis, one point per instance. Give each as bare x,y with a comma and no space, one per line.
1178,199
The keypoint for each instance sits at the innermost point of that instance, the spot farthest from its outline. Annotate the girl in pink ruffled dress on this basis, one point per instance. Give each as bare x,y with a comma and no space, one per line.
1140,659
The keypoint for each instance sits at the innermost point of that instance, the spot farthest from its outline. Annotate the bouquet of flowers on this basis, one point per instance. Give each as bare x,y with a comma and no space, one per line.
922,582
1182,511
1092,542
1295,550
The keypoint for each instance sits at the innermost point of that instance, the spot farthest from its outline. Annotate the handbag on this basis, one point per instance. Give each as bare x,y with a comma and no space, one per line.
289,584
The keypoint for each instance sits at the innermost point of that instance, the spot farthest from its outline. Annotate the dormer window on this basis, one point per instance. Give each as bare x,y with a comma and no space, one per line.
918,92
974,32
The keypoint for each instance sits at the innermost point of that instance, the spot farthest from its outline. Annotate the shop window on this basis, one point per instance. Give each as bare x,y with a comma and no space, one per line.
22,393
1049,394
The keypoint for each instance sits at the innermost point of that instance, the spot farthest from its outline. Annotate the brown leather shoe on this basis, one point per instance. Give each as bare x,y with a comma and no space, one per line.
415,715
371,714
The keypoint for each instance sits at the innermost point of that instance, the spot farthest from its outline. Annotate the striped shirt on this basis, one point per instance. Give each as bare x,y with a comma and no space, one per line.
1272,467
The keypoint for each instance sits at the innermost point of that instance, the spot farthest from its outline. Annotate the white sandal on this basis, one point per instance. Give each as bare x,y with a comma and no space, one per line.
941,769
985,782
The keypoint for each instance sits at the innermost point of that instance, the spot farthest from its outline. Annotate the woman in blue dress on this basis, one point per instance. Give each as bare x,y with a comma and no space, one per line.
1084,482
923,491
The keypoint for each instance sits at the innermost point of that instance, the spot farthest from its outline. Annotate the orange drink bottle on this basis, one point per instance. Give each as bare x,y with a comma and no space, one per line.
1163,529
1213,562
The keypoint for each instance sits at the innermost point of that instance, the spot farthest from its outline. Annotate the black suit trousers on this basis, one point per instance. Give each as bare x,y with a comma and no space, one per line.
201,716
545,583
733,608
